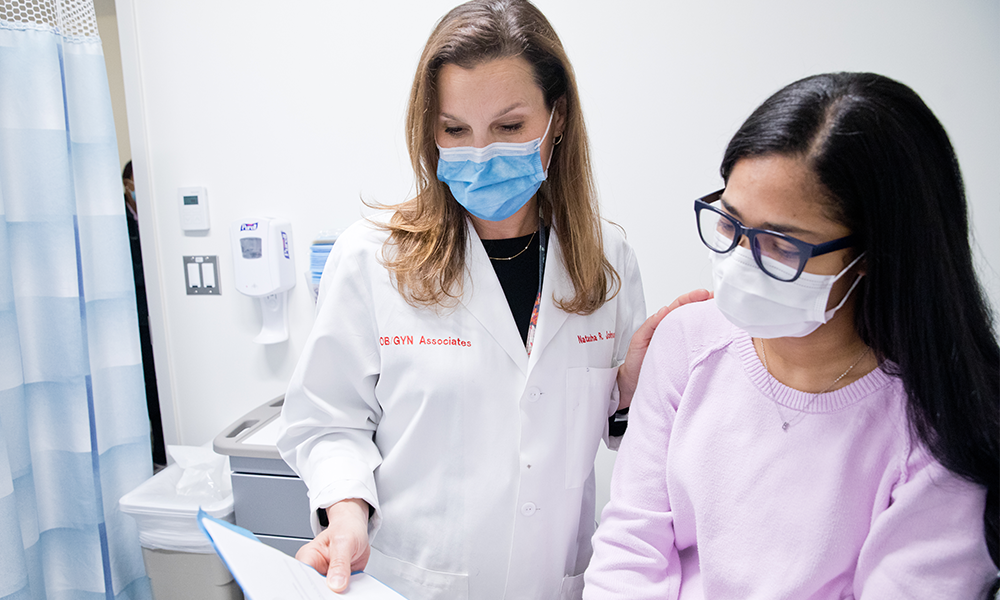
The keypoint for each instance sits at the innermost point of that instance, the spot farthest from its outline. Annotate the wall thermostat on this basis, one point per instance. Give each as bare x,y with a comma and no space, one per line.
194,208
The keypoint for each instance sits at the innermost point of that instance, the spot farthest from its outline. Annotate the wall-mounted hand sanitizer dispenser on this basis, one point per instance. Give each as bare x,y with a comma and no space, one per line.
264,266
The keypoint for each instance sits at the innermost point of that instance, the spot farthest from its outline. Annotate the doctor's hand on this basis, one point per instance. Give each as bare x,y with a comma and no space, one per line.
628,373
343,546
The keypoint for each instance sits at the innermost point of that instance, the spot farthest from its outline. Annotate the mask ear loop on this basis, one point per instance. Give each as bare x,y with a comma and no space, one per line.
829,314
552,150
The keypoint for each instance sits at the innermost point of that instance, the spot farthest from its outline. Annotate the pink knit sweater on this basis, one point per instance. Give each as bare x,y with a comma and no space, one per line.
711,499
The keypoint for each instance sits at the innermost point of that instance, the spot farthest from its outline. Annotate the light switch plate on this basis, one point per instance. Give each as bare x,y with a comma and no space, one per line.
201,275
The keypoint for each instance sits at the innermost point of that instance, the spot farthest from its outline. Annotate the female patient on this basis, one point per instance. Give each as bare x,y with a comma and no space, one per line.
827,428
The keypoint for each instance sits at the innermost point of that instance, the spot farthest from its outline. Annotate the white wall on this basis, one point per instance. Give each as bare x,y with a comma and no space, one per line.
296,110
107,25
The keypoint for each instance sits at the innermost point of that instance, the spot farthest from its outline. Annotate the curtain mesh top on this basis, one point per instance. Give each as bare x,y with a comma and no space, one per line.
71,18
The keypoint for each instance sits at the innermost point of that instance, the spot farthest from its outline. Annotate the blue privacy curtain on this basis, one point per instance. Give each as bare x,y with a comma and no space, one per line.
74,433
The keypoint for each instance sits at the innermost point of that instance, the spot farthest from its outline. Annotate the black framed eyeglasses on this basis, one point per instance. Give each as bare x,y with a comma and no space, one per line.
780,256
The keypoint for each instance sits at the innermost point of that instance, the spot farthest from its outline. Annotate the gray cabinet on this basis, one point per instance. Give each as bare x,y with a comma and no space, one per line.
269,499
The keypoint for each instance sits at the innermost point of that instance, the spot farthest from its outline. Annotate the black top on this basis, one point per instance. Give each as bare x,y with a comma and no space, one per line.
518,276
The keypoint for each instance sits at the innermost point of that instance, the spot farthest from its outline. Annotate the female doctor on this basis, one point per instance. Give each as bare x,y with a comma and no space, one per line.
448,405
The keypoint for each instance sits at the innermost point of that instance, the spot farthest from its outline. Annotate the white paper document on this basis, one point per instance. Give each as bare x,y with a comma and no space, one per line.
265,573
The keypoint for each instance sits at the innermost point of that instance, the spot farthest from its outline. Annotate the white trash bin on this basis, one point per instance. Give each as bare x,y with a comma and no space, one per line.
180,561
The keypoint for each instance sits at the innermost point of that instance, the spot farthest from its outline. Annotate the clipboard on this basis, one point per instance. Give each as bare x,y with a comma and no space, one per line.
265,573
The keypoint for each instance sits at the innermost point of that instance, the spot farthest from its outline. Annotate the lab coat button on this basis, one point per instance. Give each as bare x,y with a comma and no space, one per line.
528,509
534,394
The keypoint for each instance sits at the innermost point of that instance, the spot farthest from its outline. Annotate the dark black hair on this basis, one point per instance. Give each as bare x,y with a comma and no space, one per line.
894,181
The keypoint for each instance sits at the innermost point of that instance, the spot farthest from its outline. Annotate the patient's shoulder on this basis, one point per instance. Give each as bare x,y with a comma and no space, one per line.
695,328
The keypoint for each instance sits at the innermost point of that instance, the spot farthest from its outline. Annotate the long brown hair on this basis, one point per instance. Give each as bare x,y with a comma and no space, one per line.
428,232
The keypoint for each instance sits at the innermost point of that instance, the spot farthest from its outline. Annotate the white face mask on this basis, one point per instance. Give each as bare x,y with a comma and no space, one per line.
767,308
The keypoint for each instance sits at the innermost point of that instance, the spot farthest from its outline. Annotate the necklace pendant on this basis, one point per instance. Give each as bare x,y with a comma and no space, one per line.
784,426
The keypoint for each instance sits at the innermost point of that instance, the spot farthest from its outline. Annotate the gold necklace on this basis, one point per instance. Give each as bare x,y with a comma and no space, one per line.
519,253
785,424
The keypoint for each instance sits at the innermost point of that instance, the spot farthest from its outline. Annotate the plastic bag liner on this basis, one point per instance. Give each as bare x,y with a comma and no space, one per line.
165,506
204,473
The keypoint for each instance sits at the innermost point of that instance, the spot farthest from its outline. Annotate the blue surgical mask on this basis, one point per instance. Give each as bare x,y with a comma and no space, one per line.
494,182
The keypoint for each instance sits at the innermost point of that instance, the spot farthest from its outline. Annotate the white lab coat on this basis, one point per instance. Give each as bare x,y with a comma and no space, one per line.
478,460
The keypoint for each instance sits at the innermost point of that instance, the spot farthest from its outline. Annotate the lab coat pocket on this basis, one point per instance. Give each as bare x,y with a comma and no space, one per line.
415,582
588,397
